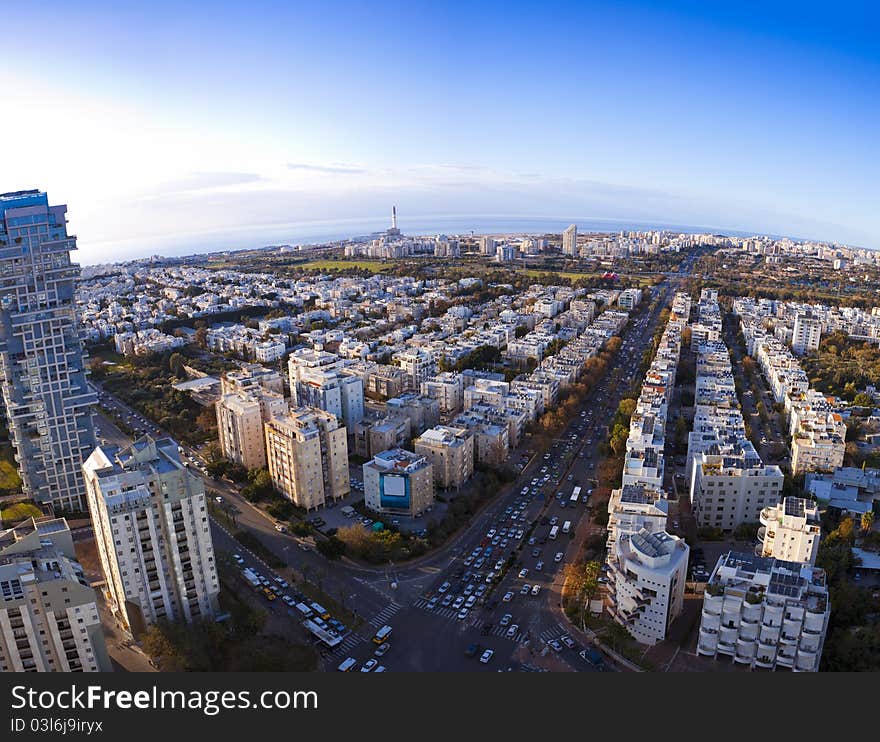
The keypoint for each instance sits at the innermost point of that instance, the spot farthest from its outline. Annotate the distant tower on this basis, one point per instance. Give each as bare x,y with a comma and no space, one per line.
393,231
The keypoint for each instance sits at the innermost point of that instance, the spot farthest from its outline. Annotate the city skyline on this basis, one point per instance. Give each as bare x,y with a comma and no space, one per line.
679,115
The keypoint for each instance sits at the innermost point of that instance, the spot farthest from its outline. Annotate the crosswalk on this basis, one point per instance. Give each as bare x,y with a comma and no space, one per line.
554,632
350,642
385,615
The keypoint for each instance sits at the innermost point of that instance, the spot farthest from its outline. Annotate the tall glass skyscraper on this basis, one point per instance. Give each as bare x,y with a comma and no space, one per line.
49,405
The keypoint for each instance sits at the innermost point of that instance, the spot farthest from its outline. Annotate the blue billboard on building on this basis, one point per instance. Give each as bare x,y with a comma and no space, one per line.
394,491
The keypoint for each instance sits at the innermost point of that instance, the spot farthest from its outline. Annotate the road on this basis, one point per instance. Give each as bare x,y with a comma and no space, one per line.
434,639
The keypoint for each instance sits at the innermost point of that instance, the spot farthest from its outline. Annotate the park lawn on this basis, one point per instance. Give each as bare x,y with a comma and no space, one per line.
646,280
374,266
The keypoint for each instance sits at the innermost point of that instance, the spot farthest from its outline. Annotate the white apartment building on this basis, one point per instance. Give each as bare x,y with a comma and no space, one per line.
240,420
252,376
647,579
317,379
765,613
151,530
790,531
816,448
806,335
629,299
418,366
633,508
447,388
569,241
307,456
398,481
49,619
450,451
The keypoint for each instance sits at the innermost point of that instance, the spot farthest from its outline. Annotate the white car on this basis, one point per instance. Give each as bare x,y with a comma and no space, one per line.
444,587
508,596
523,572
238,558
462,614
511,632
369,665
458,602
558,557
536,589
486,656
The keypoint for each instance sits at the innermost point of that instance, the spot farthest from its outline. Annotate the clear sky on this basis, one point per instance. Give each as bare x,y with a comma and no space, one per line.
207,124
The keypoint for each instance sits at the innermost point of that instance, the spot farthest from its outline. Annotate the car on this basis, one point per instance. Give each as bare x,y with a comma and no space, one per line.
447,599
369,665
567,641
558,557
498,565
469,588
282,582
479,563
481,590
526,589
382,649
238,558
505,619
536,553
458,602
486,656
536,589
432,603
554,520
280,528
468,561
462,614
469,603
218,500
290,601
602,580
532,540
555,644
512,631
444,587
523,572
490,577
508,596
539,566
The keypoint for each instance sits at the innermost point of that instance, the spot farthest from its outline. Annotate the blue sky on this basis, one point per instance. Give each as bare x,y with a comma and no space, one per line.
202,125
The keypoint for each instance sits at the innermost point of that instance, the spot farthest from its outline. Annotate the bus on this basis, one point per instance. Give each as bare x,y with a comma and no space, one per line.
382,635
554,532
566,527
576,493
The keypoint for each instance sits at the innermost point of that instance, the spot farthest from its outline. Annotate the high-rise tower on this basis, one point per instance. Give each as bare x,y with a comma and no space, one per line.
42,365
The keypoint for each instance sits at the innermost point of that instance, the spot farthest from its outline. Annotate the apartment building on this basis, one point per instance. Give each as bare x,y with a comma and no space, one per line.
629,299
422,411
49,619
765,613
43,367
447,388
646,583
569,241
373,436
152,534
398,481
317,380
251,376
307,456
450,451
806,334
634,508
790,531
417,365
240,420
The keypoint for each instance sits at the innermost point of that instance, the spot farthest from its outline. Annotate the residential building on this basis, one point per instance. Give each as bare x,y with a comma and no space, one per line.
806,335
629,299
790,531
451,451
765,613
43,367
307,456
240,420
569,241
647,579
634,508
398,481
49,619
152,533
